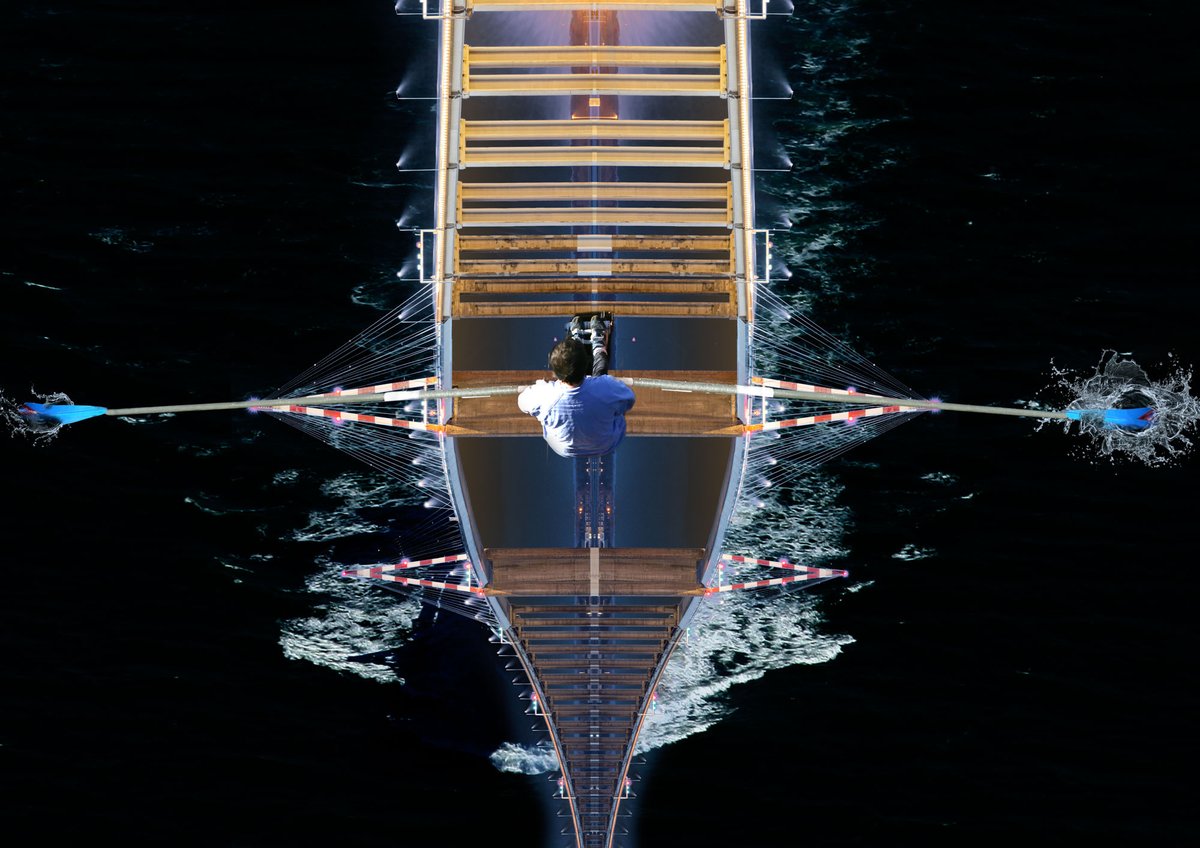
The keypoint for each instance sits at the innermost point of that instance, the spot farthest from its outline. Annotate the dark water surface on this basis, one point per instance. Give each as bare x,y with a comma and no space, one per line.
199,201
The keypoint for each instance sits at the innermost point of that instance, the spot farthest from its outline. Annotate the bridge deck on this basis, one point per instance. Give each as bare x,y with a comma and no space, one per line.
631,5
599,55
586,169
656,412
643,572
613,129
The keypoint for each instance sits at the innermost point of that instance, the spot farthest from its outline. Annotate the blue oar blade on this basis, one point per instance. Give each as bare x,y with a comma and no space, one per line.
1137,419
1132,419
64,413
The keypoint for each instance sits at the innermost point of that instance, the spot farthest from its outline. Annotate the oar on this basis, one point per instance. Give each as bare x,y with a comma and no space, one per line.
1138,419
67,413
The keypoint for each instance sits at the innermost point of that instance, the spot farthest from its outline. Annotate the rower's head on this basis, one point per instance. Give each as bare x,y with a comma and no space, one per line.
570,362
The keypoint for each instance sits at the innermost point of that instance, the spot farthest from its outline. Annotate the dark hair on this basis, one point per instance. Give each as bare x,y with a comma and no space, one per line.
569,361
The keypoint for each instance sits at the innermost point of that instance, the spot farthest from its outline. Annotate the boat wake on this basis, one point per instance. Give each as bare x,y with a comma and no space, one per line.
735,641
354,618
829,152
738,638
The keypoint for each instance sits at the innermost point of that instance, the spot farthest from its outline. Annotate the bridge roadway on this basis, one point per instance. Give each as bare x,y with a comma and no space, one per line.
594,157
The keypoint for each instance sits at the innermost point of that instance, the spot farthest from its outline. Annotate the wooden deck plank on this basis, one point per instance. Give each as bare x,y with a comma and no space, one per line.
623,242
566,56
580,653
605,268
630,156
594,128
561,216
597,191
526,622
655,413
532,85
622,571
717,309
592,285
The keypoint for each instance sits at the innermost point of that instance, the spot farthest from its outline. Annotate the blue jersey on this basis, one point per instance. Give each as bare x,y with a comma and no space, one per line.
584,420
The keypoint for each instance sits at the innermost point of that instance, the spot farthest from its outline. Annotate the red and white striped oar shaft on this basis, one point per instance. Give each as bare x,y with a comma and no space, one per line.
416,581
777,563
374,571
339,415
809,420
368,573
811,572
823,573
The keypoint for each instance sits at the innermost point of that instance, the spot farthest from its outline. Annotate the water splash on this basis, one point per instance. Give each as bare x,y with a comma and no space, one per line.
20,422
1120,383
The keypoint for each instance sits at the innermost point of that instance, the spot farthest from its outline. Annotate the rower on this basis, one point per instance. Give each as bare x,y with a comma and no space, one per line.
580,414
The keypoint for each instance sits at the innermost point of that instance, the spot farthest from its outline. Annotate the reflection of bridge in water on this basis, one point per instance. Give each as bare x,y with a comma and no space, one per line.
594,157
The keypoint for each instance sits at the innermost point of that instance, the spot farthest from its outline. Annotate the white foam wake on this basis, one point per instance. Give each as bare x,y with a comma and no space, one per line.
734,642
525,759
353,618
739,638
356,619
